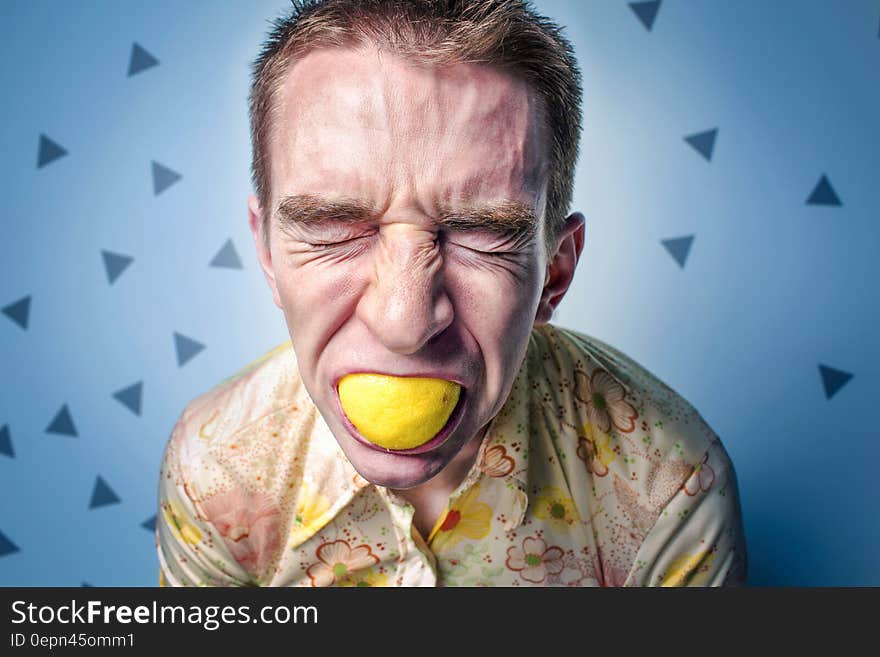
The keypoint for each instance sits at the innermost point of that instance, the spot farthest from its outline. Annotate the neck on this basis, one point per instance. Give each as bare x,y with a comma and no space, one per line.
429,499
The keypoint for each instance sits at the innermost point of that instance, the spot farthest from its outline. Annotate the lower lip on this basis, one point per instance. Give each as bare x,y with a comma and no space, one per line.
434,443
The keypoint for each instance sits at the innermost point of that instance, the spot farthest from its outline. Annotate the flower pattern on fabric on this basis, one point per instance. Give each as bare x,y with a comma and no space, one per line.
585,477
596,453
207,429
369,578
702,480
641,516
687,567
604,398
534,560
248,523
607,574
576,571
311,513
467,518
473,564
338,561
181,529
496,462
553,505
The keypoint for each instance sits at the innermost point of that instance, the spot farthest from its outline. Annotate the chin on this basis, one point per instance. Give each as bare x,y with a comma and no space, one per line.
395,480
391,470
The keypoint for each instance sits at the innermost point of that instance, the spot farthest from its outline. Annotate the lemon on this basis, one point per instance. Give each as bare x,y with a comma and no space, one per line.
397,412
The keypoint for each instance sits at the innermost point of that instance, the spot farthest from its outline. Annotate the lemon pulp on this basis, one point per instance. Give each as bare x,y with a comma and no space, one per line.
397,412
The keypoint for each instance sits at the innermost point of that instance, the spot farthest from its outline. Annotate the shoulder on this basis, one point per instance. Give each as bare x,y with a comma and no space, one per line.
229,470
636,456
261,387
613,394
626,441
223,438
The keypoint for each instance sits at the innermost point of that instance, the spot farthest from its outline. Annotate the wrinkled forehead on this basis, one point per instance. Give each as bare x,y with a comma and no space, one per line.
364,121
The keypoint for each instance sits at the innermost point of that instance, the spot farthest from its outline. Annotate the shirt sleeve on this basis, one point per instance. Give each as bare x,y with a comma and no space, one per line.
191,550
698,538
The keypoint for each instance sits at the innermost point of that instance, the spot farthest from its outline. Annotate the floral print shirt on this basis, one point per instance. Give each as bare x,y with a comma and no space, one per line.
594,473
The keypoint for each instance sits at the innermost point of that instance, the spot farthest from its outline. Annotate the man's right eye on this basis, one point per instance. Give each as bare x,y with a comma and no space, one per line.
320,246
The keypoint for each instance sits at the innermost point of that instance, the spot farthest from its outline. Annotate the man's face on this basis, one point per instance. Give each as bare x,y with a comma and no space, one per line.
408,279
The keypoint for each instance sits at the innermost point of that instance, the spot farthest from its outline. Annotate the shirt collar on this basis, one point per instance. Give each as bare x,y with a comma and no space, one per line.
329,480
503,458
502,462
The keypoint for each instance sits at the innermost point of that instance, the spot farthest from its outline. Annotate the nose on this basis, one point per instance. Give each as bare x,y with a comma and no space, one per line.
406,303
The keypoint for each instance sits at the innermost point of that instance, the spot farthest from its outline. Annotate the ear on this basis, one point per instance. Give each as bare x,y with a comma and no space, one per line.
261,242
560,269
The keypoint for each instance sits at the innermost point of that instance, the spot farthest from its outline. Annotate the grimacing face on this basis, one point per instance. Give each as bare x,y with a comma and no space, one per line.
410,273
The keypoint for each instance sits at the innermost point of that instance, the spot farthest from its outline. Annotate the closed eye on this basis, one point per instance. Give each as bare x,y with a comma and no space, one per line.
486,252
495,252
329,245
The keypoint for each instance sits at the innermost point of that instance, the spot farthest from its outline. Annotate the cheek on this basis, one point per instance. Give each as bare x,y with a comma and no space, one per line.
305,287
498,310
316,299
494,298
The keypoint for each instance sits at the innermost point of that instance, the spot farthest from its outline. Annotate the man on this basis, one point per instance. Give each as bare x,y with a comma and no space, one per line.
413,164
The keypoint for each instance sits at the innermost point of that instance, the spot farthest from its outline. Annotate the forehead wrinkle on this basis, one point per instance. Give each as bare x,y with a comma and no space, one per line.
434,108
443,135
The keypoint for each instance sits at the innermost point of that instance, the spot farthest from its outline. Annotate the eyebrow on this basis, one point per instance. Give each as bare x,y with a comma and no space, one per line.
506,216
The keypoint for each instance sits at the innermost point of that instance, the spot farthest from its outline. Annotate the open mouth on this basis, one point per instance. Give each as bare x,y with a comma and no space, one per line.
451,424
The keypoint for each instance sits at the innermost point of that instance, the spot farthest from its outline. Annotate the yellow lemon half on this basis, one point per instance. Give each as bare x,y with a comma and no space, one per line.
397,412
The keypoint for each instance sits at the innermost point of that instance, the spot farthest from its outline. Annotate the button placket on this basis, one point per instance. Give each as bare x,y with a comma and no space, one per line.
416,565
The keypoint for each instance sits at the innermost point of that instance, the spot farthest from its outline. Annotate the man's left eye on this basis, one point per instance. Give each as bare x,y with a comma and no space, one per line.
481,249
484,242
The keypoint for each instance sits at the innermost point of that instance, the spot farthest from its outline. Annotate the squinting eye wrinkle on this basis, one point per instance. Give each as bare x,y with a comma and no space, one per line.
330,245
507,218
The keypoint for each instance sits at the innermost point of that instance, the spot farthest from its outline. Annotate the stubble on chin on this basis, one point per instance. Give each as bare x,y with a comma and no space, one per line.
390,471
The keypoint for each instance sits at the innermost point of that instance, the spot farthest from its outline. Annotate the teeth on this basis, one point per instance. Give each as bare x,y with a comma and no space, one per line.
397,412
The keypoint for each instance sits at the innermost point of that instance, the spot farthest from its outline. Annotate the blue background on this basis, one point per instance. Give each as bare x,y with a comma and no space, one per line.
771,287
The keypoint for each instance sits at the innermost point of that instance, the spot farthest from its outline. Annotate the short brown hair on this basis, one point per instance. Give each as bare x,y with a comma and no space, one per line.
506,34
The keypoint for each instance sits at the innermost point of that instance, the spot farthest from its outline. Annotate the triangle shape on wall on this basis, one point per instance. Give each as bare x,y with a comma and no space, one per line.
7,546
131,396
19,311
646,12
823,193
227,257
679,248
186,348
703,142
6,442
102,494
833,379
149,524
48,151
163,178
115,264
140,60
62,423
